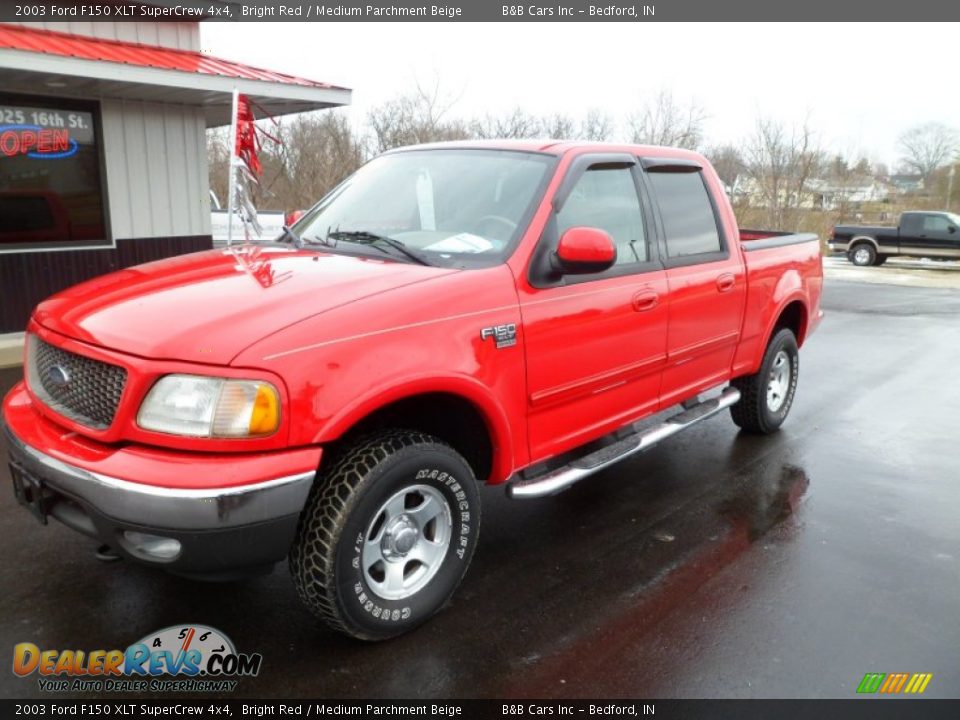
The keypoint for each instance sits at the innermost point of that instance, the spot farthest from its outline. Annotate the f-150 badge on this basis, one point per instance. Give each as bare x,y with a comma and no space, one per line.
504,335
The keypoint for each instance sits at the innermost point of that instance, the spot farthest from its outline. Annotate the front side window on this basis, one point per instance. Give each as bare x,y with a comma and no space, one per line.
935,223
689,222
452,207
51,194
606,198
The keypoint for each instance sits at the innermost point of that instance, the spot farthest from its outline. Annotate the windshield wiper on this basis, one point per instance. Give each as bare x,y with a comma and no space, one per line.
295,239
364,237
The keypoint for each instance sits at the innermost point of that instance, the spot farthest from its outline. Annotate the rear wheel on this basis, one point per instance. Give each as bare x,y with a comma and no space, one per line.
862,255
766,397
386,535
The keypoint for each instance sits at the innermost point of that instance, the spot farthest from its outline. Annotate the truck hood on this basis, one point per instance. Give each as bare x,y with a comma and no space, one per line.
207,307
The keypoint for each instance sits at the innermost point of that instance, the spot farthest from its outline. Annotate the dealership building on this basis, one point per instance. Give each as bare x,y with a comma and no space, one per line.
103,160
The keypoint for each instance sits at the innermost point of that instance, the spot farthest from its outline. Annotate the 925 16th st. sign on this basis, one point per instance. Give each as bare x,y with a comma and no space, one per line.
42,133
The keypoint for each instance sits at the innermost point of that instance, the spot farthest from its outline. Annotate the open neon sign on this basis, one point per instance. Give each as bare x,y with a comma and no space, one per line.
36,142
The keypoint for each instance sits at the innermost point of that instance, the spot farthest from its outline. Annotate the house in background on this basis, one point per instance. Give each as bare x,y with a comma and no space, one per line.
833,195
103,160
907,183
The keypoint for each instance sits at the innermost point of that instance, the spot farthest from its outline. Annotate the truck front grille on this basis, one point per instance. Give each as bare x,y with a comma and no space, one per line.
82,389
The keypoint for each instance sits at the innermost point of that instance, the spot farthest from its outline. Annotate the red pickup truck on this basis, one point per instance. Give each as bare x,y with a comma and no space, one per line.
513,313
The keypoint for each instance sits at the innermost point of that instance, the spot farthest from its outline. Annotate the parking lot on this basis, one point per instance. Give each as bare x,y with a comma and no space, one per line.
715,565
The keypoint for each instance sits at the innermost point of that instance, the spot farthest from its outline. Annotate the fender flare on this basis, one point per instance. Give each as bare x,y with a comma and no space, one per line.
864,238
793,297
463,387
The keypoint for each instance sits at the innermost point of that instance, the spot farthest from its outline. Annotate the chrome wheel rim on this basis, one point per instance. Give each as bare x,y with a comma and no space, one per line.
778,384
406,542
861,256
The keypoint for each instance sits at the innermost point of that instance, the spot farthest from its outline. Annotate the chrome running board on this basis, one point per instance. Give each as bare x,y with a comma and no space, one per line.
560,479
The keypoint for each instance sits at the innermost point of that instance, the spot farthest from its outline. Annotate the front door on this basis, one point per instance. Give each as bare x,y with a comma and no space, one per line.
934,236
595,343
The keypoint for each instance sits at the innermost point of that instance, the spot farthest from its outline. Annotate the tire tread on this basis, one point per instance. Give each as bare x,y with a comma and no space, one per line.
749,412
313,554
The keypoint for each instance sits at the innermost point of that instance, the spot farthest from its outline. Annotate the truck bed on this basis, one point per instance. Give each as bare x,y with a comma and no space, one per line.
752,240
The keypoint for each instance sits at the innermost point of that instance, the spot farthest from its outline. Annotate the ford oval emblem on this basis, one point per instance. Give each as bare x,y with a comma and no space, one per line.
58,376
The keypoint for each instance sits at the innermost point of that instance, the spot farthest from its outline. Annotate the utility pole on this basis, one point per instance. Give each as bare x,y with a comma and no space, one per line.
953,171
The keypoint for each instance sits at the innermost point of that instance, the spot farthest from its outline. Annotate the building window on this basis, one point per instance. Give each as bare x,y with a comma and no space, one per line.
51,175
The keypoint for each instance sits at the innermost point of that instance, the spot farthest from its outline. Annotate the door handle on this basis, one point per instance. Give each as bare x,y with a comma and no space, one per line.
645,300
726,282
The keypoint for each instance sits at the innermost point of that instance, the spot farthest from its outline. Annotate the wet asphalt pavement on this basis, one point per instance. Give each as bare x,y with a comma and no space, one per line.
715,565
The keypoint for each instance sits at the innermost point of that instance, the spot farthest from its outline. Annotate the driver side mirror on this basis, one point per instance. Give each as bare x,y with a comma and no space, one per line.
952,228
584,250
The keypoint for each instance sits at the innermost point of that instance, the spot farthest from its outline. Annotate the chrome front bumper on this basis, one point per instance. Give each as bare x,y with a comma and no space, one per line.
172,508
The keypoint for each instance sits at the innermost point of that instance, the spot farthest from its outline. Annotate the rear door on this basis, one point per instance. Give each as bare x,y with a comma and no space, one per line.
595,343
705,277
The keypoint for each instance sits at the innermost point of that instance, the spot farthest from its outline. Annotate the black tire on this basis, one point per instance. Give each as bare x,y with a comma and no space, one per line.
862,254
753,412
349,500
881,259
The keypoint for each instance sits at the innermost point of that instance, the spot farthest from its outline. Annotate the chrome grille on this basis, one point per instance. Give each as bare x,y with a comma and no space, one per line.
80,388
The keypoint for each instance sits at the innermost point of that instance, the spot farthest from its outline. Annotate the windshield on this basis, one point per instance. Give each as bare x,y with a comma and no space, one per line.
455,207
955,219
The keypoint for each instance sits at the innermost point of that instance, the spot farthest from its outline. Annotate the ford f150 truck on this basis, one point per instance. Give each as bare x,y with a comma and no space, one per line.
512,313
919,234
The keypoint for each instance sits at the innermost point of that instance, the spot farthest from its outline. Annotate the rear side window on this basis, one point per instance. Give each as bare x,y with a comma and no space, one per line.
911,224
689,222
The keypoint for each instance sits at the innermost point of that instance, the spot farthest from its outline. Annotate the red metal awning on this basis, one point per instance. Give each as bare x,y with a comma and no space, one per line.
114,68
18,37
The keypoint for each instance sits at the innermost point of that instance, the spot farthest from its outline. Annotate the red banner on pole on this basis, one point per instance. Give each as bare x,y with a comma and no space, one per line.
246,162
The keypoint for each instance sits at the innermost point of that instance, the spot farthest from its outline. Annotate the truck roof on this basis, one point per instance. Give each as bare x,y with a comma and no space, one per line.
557,147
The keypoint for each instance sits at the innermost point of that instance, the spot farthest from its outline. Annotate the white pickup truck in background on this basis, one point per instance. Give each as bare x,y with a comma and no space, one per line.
271,224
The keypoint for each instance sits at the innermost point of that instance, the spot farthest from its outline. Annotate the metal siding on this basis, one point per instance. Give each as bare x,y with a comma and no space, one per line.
167,35
148,34
178,190
156,169
115,160
127,32
135,155
201,173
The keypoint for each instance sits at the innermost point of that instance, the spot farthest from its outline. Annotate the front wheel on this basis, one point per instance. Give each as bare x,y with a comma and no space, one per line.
766,397
386,535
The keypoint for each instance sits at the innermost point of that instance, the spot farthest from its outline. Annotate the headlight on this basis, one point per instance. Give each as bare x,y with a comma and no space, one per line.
199,406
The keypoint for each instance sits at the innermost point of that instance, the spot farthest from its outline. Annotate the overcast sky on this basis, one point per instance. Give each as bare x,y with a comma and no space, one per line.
861,84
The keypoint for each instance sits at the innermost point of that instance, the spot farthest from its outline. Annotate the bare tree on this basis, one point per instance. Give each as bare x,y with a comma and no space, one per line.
218,162
596,126
728,162
517,124
661,120
927,147
780,162
317,151
558,127
415,118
